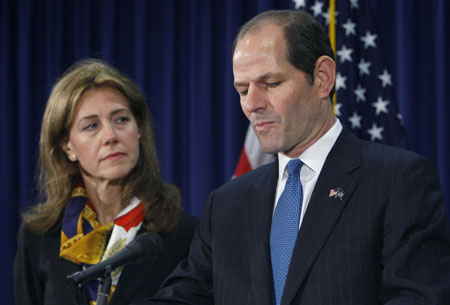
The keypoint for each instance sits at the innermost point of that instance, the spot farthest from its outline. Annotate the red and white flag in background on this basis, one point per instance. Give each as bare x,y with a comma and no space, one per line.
251,155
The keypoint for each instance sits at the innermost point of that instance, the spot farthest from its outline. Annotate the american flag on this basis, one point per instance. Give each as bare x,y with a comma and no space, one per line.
365,99
337,193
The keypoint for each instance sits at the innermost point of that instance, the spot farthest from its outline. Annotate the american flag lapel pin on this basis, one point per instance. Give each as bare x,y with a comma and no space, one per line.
337,192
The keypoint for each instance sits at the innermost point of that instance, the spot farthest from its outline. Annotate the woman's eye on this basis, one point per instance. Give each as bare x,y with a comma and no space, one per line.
90,126
122,119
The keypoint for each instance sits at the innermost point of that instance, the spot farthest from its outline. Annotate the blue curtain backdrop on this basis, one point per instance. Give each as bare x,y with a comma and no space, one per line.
179,54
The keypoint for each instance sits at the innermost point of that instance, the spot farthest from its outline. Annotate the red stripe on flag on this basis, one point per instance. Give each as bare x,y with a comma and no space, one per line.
243,164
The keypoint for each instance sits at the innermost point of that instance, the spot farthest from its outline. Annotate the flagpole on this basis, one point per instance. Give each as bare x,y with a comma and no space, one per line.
332,35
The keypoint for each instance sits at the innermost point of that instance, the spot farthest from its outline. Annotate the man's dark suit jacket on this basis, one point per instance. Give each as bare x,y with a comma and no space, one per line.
386,242
40,274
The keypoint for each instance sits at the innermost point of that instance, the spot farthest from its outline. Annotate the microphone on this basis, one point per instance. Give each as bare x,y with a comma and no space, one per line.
144,246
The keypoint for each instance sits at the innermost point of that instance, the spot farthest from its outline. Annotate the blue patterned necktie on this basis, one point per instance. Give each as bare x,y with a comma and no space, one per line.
285,224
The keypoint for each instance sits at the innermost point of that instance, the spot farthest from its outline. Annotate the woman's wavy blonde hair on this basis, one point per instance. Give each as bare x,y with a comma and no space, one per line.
58,175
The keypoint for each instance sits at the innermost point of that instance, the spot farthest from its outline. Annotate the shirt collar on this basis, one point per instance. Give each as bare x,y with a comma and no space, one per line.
314,157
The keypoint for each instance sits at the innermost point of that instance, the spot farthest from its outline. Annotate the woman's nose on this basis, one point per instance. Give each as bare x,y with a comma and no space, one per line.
110,134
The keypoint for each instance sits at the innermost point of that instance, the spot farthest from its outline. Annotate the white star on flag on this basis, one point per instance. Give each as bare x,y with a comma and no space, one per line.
299,4
355,120
369,40
360,94
350,27
354,4
375,132
340,81
345,54
380,106
363,67
317,8
327,16
337,109
385,78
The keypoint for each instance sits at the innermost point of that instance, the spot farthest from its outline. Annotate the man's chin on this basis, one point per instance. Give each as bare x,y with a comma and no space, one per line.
269,148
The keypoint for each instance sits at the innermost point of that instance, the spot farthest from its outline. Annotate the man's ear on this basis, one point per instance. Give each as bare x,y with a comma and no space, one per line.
325,75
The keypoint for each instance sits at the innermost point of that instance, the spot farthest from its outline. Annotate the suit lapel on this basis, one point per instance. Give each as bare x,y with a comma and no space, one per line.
323,210
258,216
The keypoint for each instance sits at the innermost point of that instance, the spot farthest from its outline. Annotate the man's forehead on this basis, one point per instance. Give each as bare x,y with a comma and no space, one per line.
265,36
259,60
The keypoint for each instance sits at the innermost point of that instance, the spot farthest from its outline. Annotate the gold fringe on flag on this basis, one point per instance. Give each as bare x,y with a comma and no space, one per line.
332,34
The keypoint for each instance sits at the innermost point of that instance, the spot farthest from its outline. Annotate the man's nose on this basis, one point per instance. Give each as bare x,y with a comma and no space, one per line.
255,99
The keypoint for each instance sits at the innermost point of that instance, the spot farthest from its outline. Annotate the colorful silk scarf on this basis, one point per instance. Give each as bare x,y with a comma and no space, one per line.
83,239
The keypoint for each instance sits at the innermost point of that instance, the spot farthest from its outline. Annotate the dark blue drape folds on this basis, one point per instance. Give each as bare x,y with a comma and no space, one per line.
179,54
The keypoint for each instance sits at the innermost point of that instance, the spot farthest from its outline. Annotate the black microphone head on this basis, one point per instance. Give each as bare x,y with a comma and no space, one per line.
144,246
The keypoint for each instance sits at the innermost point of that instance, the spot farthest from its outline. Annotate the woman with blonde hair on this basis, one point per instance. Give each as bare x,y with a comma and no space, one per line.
101,184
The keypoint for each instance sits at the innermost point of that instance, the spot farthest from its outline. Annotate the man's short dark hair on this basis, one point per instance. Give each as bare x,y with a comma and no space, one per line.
305,38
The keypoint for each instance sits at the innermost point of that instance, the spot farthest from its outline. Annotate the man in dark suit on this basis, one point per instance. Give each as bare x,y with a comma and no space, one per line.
370,225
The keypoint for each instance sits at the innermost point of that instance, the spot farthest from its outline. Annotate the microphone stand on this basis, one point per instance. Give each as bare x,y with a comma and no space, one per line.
104,287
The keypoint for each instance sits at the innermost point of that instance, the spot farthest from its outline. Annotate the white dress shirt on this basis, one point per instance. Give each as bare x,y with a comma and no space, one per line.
313,159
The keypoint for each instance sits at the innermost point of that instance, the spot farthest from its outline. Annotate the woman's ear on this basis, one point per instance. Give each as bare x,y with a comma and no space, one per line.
325,75
65,146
